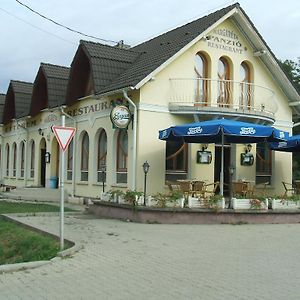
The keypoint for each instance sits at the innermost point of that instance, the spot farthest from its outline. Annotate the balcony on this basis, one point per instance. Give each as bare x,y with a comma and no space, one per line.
223,98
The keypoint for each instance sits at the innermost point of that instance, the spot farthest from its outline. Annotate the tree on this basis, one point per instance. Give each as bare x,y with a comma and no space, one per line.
292,70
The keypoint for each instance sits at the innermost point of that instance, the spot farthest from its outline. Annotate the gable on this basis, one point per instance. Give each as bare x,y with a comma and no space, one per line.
2,101
159,52
17,100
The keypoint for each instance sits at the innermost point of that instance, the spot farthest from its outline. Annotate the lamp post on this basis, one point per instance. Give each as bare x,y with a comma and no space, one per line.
103,169
231,172
146,167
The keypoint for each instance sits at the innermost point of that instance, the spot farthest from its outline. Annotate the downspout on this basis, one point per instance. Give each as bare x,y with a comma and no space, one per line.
74,151
134,139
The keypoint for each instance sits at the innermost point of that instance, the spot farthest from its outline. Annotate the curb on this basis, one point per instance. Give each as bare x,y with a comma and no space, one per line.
23,266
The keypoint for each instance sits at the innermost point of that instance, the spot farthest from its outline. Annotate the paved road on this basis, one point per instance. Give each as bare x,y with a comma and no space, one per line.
123,260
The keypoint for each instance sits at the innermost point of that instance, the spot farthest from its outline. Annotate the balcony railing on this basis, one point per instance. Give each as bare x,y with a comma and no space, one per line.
221,95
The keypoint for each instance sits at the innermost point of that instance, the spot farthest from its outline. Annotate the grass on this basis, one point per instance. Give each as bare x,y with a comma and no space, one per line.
7,207
19,244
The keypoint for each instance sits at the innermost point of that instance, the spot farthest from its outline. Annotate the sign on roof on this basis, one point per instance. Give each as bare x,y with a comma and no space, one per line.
63,135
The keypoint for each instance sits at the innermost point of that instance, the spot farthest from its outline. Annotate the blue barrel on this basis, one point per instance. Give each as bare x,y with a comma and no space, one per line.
53,182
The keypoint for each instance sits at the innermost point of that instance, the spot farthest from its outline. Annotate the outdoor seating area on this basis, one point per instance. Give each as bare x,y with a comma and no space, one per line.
247,189
195,188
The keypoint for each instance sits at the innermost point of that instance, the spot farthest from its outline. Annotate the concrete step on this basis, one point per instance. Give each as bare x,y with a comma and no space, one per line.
35,194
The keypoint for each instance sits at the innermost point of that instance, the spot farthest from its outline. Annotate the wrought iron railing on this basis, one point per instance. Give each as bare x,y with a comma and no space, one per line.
221,94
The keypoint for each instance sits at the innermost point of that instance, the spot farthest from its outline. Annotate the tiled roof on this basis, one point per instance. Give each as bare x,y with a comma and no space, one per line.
156,51
22,92
2,101
57,81
107,62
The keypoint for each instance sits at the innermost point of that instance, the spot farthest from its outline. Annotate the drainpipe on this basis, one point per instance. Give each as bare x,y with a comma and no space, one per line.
74,149
134,139
26,151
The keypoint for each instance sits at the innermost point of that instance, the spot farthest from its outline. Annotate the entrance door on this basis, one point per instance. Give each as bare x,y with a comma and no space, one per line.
218,153
43,168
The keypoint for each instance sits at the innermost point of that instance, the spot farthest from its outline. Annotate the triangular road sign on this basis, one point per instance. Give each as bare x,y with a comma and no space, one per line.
63,135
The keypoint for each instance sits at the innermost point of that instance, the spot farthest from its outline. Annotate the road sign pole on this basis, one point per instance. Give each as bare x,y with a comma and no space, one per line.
62,191
64,136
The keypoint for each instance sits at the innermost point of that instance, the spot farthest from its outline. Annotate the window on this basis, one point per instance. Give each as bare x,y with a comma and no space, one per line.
70,161
245,87
224,86
85,146
22,161
176,160
101,156
7,160
32,160
201,90
14,149
263,163
122,156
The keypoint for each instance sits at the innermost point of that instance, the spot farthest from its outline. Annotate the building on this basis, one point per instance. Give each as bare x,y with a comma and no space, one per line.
216,66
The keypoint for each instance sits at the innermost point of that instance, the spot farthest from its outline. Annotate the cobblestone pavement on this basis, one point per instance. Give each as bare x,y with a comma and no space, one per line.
123,260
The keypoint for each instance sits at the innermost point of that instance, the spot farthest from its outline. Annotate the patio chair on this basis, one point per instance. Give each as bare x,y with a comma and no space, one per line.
173,186
214,185
289,188
185,188
239,188
297,187
258,189
198,189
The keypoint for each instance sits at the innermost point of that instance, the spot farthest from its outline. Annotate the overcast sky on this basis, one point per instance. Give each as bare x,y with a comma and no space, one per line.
27,39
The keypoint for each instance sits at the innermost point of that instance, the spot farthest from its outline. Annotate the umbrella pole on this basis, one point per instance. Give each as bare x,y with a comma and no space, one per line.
222,167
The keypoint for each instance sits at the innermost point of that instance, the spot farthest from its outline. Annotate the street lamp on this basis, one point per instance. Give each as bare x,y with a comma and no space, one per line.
103,169
231,172
146,167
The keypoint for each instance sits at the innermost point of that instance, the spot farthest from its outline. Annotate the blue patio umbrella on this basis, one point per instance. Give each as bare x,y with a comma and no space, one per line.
221,131
292,144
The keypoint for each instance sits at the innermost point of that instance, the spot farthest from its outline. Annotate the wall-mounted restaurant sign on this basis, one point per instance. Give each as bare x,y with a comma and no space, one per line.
120,116
204,157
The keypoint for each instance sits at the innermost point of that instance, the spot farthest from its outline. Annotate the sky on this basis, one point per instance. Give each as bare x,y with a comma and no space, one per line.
28,39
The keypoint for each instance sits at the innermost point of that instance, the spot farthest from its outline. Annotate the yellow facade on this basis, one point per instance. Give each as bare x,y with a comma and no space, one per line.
152,99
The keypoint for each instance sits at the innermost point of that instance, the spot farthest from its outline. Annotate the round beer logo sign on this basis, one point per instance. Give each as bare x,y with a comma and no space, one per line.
120,116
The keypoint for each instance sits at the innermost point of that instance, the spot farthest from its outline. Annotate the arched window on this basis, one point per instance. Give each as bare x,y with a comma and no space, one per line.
14,149
201,84
7,159
22,161
224,86
122,156
245,86
85,147
70,161
32,161
101,156
176,160
263,163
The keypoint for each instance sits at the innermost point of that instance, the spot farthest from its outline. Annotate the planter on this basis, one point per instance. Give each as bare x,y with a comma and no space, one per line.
105,196
238,203
284,204
194,202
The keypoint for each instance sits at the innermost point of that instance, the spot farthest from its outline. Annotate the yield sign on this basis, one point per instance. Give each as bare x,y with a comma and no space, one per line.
63,135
